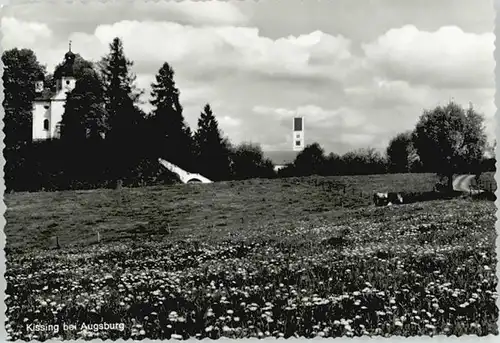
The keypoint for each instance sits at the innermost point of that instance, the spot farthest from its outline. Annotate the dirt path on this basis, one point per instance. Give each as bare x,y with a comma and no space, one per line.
462,183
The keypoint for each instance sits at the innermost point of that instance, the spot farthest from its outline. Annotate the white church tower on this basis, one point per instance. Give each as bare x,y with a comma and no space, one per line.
48,107
298,134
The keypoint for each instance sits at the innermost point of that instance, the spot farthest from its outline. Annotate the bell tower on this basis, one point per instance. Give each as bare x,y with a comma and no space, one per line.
298,133
67,79
39,85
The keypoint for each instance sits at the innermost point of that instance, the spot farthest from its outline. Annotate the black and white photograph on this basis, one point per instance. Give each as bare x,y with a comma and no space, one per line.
266,169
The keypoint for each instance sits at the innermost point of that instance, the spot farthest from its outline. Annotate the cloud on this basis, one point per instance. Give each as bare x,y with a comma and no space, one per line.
381,92
18,33
315,116
85,16
447,57
204,51
351,96
228,122
207,12
232,48
325,126
360,139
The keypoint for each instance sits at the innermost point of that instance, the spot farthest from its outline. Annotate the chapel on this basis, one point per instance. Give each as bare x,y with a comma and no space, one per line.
48,107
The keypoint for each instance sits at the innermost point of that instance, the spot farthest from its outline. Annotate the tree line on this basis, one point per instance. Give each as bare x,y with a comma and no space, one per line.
446,140
106,137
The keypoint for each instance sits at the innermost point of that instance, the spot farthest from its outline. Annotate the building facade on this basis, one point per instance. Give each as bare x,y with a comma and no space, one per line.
49,104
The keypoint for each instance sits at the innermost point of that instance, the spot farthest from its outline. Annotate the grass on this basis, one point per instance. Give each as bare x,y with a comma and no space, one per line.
259,258
486,182
34,219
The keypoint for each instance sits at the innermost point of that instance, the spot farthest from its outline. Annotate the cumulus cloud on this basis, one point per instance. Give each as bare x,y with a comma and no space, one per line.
203,50
350,95
19,33
380,93
446,57
325,126
229,47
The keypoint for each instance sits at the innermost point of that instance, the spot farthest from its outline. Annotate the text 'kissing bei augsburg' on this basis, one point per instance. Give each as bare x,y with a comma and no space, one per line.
74,327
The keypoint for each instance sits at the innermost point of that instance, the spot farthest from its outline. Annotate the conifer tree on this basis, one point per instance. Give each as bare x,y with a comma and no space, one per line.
213,151
120,93
124,118
173,135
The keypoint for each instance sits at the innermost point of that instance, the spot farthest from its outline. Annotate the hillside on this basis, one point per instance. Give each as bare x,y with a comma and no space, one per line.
34,219
261,258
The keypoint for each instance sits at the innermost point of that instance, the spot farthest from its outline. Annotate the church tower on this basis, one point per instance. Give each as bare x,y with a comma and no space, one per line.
49,104
39,84
298,133
66,78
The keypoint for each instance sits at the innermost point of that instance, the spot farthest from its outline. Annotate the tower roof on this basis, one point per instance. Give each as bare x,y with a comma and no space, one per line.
69,55
66,68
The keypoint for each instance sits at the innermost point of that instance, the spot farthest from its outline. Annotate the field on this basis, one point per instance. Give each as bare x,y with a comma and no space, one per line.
292,257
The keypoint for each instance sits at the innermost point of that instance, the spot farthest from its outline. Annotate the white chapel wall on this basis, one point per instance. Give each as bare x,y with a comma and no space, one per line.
40,114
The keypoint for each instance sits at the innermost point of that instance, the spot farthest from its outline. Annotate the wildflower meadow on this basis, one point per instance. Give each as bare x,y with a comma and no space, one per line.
426,268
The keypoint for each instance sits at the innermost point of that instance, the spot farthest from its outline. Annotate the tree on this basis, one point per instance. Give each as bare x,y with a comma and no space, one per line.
124,118
212,151
85,114
174,137
249,162
21,70
363,162
399,153
334,164
310,161
449,139
120,92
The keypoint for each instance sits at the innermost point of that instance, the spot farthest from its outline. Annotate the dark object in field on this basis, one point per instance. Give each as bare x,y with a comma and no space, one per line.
57,243
119,184
414,197
388,198
485,195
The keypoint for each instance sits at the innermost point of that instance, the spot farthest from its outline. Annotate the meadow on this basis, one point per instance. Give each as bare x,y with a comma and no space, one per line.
258,258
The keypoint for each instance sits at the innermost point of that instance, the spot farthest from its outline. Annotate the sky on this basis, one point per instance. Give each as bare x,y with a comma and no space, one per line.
359,72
